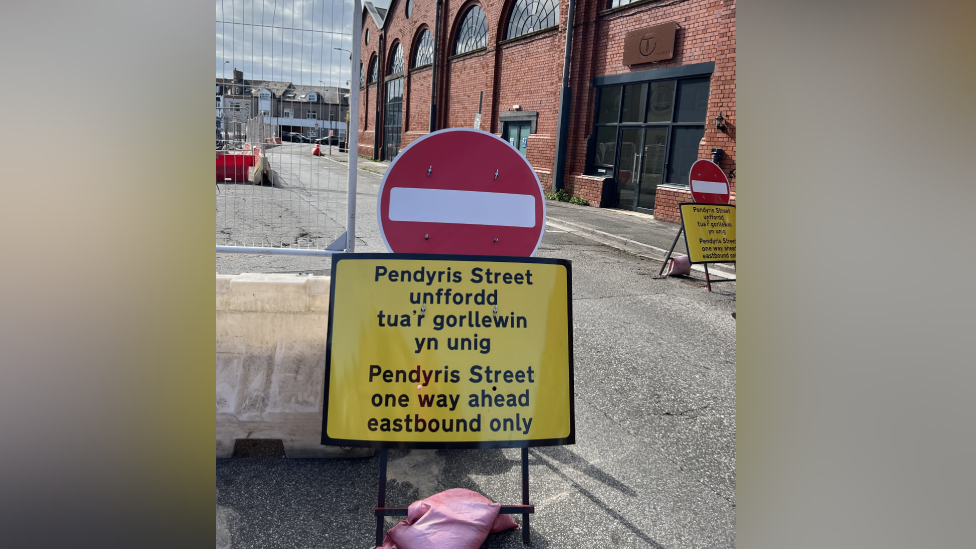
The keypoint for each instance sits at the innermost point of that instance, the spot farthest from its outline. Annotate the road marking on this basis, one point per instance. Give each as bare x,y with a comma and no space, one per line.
582,231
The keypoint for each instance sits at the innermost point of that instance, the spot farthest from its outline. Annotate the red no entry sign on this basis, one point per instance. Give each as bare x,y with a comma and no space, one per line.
461,191
708,183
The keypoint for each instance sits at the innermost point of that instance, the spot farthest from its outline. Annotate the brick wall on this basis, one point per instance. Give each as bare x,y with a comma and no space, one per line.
587,187
367,113
667,201
540,152
367,95
529,75
469,75
417,115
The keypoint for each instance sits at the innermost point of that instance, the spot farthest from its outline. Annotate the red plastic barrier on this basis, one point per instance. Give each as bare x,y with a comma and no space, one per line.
233,167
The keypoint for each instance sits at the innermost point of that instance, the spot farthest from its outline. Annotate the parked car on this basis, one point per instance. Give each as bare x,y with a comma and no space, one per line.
334,140
294,137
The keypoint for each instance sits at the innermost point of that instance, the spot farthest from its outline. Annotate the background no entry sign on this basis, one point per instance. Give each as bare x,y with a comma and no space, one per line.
461,191
708,183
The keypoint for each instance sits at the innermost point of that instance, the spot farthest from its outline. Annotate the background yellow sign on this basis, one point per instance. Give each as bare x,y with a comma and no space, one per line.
433,351
709,232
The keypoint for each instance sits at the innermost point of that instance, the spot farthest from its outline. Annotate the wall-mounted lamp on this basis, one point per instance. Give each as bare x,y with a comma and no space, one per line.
720,122
717,155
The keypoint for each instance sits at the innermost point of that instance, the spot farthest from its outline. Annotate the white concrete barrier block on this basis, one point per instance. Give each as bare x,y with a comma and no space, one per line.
223,283
298,377
230,369
271,343
265,293
256,380
318,285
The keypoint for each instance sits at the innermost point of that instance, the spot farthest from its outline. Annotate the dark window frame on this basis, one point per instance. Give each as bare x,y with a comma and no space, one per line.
396,60
374,63
645,78
467,29
426,41
523,18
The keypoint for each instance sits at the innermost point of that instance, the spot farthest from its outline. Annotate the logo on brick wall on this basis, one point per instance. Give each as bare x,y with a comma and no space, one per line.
650,45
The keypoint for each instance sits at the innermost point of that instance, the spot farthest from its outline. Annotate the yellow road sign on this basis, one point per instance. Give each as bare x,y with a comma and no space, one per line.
709,232
439,351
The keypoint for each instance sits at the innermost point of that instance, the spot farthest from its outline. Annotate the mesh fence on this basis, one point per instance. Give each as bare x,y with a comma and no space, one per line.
282,98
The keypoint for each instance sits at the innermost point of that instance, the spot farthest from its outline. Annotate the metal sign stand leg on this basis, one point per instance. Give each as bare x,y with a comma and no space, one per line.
525,494
673,244
381,498
708,282
382,510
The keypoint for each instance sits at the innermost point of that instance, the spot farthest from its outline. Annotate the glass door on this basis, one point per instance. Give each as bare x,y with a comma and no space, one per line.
652,172
517,135
626,173
648,134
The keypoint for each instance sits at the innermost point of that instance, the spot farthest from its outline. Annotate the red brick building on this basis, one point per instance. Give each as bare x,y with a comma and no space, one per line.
639,110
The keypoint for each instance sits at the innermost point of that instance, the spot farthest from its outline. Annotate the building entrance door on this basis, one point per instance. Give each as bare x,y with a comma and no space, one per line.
652,166
393,119
647,135
627,166
517,135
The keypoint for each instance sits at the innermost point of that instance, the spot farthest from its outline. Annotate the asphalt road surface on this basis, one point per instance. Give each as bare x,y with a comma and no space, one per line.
654,462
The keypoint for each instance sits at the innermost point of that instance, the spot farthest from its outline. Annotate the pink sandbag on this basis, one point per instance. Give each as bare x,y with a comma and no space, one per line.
455,519
679,265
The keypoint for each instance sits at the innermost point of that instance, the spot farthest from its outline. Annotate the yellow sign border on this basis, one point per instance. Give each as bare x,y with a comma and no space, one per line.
696,254
522,443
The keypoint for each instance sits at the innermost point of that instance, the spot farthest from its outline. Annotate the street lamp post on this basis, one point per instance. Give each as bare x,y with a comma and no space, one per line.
330,123
223,94
340,110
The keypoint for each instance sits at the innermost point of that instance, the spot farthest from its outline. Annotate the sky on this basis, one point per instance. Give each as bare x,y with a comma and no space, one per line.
285,40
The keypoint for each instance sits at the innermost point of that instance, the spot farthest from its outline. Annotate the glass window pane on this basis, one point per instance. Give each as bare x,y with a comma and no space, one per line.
606,146
425,50
396,63
626,176
609,105
532,15
692,102
474,31
684,152
662,99
632,103
653,171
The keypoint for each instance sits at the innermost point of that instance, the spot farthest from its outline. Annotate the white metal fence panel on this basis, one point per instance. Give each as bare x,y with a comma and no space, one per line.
282,98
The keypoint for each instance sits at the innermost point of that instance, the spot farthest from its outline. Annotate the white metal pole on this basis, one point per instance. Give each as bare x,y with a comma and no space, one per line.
352,140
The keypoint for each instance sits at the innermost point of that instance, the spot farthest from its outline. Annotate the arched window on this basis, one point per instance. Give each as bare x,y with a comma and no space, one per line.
532,15
373,70
362,75
473,32
409,10
396,65
425,50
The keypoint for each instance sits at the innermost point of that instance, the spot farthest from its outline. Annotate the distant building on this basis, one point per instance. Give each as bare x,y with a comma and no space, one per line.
310,110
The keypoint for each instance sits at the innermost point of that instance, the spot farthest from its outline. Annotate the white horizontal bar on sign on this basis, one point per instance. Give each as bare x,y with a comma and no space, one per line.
462,207
710,187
